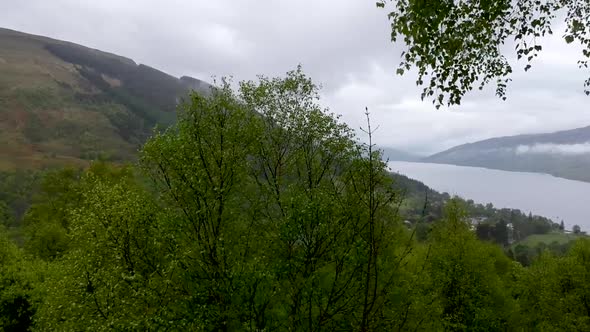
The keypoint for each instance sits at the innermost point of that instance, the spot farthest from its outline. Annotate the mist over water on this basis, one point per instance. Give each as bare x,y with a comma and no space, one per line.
541,194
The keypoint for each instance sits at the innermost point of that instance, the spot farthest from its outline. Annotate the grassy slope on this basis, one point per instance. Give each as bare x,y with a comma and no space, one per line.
65,104
561,238
41,121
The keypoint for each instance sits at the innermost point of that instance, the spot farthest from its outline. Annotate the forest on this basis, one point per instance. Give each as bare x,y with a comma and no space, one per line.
260,211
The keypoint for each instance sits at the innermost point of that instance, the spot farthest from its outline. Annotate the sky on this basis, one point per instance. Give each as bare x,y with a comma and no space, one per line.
344,45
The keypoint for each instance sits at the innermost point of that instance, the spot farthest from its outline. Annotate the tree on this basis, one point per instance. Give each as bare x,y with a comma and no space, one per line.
202,169
422,230
288,221
6,217
19,278
457,45
484,231
16,189
501,232
118,271
561,226
47,219
259,211
467,276
523,254
576,229
554,291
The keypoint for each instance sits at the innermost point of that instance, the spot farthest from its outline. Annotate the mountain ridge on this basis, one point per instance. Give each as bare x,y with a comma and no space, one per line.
45,39
564,153
62,103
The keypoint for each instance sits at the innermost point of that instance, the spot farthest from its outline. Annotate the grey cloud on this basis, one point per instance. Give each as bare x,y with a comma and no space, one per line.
342,44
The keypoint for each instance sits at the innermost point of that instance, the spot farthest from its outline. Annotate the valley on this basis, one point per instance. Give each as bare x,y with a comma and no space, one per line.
135,196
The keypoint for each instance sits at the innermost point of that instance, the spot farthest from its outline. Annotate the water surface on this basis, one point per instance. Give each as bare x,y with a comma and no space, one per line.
542,194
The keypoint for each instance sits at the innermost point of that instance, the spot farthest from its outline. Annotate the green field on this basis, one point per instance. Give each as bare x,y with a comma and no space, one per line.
560,238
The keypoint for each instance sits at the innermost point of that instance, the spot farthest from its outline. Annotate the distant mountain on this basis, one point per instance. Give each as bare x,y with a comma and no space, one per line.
564,153
399,155
62,103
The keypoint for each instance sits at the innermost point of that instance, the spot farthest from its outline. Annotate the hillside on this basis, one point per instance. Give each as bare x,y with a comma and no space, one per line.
62,103
560,238
393,154
564,153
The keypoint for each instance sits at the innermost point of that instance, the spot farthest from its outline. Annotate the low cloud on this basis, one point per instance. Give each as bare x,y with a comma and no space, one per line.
549,148
344,45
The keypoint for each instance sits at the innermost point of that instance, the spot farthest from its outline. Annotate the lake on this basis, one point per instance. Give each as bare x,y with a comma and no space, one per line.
541,194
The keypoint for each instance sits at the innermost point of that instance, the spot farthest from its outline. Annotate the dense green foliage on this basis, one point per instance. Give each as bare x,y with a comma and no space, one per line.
259,211
555,291
16,191
19,277
457,45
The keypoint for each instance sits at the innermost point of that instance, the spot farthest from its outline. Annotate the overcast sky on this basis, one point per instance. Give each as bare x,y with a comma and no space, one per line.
342,44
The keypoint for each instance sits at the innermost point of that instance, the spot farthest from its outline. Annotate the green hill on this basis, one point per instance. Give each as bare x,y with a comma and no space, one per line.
554,237
564,154
62,103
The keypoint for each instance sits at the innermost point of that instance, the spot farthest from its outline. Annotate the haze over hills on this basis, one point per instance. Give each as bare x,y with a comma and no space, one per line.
393,154
564,154
62,103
